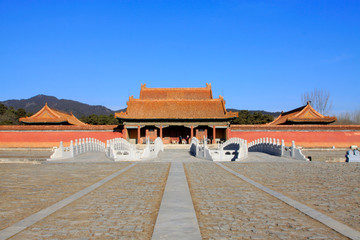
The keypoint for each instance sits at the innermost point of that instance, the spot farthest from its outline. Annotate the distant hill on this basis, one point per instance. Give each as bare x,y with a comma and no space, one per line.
274,114
79,109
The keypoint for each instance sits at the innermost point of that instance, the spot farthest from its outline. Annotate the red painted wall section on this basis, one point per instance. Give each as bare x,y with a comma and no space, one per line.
309,139
306,136
51,138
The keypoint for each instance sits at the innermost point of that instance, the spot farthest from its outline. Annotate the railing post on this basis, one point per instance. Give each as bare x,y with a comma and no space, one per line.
293,149
61,146
87,145
76,148
71,149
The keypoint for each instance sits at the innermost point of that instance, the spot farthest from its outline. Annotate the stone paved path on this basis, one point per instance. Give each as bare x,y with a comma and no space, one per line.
229,208
176,219
311,212
26,188
331,188
177,155
226,207
126,207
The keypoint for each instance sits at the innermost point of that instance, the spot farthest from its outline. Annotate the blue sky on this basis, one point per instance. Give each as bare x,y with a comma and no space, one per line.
259,55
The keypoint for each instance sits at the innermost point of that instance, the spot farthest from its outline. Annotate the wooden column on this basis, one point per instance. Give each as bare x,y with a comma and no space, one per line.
161,132
214,135
191,132
138,135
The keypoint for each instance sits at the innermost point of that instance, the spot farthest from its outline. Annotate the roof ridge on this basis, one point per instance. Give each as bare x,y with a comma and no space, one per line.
176,99
207,87
56,116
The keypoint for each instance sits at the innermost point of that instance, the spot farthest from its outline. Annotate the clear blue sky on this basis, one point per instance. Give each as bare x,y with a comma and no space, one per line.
260,55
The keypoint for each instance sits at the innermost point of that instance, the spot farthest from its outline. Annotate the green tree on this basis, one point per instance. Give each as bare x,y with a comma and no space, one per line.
3,109
100,119
245,117
10,116
21,113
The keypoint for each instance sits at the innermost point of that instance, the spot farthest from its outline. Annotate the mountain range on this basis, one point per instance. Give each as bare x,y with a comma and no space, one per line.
34,104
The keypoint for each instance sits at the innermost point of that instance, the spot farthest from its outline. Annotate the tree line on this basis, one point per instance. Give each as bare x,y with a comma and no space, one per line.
94,119
246,117
10,116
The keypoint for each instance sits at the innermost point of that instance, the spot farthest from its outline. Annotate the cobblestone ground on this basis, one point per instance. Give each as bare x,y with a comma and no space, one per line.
331,188
124,208
229,208
26,188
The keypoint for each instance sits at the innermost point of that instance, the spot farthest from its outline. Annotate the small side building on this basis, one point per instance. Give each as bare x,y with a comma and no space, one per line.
174,114
50,116
302,116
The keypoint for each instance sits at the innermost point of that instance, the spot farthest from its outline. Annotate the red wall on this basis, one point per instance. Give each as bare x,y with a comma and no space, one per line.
311,138
50,139
50,136
305,136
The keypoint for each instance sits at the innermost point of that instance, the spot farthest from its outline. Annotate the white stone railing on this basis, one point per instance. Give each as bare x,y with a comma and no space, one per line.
200,150
118,149
231,150
273,147
194,146
152,150
352,155
80,146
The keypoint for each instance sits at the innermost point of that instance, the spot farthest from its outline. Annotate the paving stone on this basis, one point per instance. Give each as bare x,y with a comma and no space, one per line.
26,189
331,188
210,183
95,221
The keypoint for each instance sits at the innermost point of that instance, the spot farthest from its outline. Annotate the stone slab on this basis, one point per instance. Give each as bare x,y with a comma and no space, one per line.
27,222
337,226
176,218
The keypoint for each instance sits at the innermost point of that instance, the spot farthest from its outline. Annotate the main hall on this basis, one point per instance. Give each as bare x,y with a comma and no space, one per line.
175,114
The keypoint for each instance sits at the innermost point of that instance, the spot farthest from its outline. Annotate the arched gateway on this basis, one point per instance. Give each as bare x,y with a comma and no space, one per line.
175,113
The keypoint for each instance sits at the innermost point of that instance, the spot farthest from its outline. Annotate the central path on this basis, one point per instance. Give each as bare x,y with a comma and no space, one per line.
176,218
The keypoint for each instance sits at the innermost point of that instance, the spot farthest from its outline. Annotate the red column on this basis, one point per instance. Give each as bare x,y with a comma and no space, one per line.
227,133
161,132
138,140
192,132
206,136
125,133
214,135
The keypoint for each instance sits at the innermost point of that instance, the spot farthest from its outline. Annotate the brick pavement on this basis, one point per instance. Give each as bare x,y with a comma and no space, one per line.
26,188
331,188
125,207
229,208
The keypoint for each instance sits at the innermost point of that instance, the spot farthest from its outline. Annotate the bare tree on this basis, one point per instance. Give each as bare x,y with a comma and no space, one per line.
320,100
348,118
